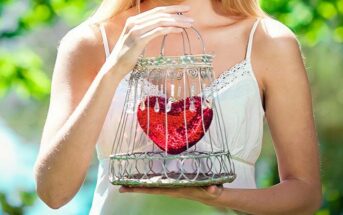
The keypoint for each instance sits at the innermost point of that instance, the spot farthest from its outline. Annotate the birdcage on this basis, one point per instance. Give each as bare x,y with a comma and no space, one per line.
171,132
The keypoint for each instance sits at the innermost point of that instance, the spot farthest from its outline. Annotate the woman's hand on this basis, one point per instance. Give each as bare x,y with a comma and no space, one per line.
201,194
139,30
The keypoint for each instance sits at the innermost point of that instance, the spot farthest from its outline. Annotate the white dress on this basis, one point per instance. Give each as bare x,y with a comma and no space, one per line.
238,89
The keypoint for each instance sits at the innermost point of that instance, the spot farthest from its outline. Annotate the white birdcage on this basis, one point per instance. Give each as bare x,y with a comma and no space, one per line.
171,131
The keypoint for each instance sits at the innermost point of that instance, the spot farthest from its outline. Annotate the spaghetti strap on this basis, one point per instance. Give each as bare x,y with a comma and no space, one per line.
104,39
251,38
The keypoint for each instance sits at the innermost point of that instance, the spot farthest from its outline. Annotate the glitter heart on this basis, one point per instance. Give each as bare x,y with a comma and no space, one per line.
176,126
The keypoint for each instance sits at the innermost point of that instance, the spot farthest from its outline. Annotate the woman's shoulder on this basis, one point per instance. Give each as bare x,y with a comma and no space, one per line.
276,44
274,28
82,44
88,38
83,36
275,37
82,47
276,54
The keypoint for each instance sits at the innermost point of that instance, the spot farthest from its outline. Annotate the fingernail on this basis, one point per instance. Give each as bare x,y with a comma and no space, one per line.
211,189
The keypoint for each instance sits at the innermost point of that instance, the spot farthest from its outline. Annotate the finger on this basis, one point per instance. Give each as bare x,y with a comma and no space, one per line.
164,20
143,26
192,193
159,16
151,190
214,190
164,9
157,32
155,13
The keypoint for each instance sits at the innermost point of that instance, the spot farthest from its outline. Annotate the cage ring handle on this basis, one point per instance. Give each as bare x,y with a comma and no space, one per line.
199,37
183,42
190,50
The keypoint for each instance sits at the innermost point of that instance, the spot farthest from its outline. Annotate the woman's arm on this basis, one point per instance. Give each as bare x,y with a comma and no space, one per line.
291,122
80,97
81,94
289,114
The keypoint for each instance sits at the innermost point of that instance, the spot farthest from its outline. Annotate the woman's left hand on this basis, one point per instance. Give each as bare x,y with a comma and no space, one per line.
202,194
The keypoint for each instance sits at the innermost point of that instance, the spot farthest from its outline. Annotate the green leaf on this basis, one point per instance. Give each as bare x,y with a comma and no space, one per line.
327,10
338,34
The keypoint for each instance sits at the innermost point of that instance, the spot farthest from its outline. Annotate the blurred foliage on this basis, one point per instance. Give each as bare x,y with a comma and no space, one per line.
27,199
23,73
318,24
26,74
313,20
46,12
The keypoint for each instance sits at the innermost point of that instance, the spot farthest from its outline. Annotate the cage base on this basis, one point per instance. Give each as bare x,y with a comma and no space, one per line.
174,180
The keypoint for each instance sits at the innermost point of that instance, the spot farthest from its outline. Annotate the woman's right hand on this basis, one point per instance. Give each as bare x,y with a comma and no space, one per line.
139,30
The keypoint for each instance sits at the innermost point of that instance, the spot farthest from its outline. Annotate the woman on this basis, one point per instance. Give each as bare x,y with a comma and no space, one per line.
84,84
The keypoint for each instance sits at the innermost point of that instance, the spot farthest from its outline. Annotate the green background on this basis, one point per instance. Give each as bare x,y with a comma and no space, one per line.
29,35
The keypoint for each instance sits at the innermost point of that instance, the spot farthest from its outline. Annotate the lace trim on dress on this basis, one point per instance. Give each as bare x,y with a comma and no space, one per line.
228,78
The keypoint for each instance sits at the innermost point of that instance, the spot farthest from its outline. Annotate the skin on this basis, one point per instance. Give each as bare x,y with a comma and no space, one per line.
83,87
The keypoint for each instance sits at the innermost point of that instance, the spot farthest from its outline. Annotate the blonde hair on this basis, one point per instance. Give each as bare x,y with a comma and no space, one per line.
245,8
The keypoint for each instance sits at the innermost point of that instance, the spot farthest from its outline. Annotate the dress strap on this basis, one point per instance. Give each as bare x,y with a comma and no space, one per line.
104,39
251,38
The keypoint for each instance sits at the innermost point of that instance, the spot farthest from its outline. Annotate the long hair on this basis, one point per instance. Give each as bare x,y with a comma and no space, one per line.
245,8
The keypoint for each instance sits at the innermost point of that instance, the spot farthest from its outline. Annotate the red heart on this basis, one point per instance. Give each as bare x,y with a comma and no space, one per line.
177,142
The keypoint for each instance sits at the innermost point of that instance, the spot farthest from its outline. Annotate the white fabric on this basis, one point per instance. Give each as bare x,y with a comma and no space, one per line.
243,115
105,41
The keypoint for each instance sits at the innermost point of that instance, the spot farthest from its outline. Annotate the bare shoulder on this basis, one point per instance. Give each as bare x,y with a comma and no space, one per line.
274,36
276,39
275,29
81,51
277,50
82,35
82,47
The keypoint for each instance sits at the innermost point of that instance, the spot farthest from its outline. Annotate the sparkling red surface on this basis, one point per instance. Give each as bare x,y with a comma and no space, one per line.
176,141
